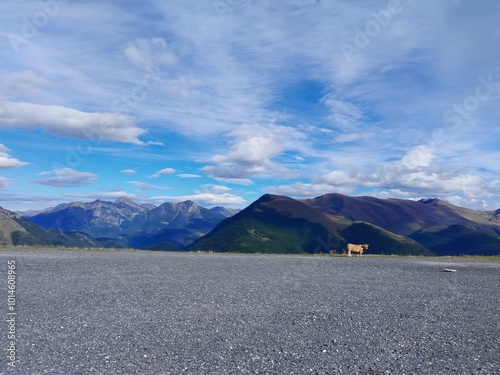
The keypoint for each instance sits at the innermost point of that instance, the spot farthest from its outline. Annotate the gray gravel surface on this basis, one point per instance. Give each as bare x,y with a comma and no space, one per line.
125,312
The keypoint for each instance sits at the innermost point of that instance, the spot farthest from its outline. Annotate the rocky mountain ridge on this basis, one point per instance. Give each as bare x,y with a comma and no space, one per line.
170,226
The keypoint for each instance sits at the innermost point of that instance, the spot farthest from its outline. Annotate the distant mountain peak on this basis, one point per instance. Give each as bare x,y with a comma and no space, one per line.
271,197
188,202
125,200
72,204
264,198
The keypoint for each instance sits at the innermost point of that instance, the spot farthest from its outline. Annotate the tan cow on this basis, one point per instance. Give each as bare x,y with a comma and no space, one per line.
352,248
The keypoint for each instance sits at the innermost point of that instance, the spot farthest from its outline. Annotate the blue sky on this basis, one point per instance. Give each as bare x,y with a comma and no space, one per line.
221,101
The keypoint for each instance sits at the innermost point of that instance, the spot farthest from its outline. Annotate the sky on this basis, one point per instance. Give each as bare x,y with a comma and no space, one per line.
221,101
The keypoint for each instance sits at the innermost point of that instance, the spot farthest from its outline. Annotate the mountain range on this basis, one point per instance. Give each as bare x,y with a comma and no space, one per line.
272,224
327,223
170,226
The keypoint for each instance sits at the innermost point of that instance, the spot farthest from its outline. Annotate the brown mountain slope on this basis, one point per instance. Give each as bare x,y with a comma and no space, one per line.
441,227
396,215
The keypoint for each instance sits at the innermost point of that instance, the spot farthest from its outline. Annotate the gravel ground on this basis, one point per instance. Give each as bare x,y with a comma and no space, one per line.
125,312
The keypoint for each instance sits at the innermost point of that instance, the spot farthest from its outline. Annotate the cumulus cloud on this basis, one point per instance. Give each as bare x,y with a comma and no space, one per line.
67,122
414,175
129,171
418,157
252,151
6,161
414,172
66,177
162,172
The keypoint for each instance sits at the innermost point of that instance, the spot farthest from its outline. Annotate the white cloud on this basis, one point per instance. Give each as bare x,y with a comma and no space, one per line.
164,171
6,161
351,137
343,114
207,195
214,189
418,157
205,199
150,53
145,186
129,171
66,177
228,172
188,175
5,182
470,203
343,178
414,175
22,83
252,152
67,122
